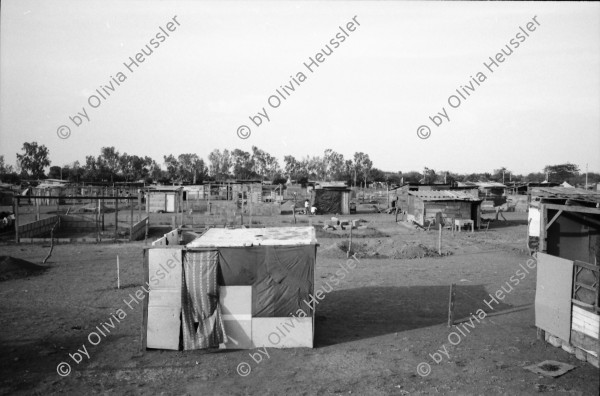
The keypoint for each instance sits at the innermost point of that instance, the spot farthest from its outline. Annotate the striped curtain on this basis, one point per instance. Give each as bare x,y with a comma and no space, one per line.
201,313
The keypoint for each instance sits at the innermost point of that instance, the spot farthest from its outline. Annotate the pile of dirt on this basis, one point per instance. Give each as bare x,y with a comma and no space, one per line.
14,268
415,250
388,248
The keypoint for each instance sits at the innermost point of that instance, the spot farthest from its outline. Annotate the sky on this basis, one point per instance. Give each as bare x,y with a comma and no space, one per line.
223,63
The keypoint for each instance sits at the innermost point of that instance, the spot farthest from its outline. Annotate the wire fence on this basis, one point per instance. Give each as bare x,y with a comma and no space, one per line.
96,217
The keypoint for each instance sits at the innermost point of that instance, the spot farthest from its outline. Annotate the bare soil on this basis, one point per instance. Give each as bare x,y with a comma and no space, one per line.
383,320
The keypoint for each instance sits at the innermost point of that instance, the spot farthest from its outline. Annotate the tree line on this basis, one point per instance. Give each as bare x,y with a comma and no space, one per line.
112,166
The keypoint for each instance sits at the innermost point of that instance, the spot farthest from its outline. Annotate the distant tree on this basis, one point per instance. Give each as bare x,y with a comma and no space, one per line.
173,167
500,174
90,169
33,160
412,177
219,164
362,166
4,167
292,167
561,173
54,172
333,164
242,164
192,168
429,176
393,178
279,179
378,175
303,181
156,173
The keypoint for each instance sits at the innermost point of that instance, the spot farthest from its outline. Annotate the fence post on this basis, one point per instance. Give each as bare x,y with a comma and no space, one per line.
116,214
440,240
451,305
131,221
98,215
16,212
140,205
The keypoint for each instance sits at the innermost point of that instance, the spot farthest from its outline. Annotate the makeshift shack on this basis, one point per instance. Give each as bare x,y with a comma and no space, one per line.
433,207
331,200
164,199
568,269
232,288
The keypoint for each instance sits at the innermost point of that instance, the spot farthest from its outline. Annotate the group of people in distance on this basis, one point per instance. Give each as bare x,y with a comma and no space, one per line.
312,210
309,209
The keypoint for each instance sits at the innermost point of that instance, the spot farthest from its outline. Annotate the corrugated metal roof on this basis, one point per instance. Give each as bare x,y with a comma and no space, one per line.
578,194
164,188
490,185
275,236
443,195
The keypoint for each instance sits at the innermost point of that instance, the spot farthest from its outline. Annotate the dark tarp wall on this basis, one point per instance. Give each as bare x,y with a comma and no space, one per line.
281,276
328,201
202,323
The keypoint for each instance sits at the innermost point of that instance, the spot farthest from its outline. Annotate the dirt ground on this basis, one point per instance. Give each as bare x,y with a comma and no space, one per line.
381,331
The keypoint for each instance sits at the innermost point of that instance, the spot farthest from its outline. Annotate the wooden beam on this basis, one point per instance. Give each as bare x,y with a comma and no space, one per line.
554,219
543,220
580,209
144,329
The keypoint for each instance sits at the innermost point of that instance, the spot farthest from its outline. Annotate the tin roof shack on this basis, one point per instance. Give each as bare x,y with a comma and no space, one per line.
51,188
492,191
164,199
331,200
6,194
233,289
567,298
433,207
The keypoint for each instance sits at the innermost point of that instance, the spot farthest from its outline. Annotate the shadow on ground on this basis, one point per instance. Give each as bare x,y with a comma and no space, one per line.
351,315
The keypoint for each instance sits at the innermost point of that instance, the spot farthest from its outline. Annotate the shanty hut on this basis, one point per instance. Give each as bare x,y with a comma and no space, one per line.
164,199
567,298
232,288
331,200
6,194
433,207
50,188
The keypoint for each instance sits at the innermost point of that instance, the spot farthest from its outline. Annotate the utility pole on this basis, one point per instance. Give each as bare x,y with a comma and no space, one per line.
586,174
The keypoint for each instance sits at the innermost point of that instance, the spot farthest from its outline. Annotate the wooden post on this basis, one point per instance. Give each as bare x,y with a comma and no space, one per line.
294,208
451,305
208,198
350,243
118,274
242,211
16,212
116,214
543,222
387,194
440,239
98,219
147,226
131,220
140,205
181,207
37,209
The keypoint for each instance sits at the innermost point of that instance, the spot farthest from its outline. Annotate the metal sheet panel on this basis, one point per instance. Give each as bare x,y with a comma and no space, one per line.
553,295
